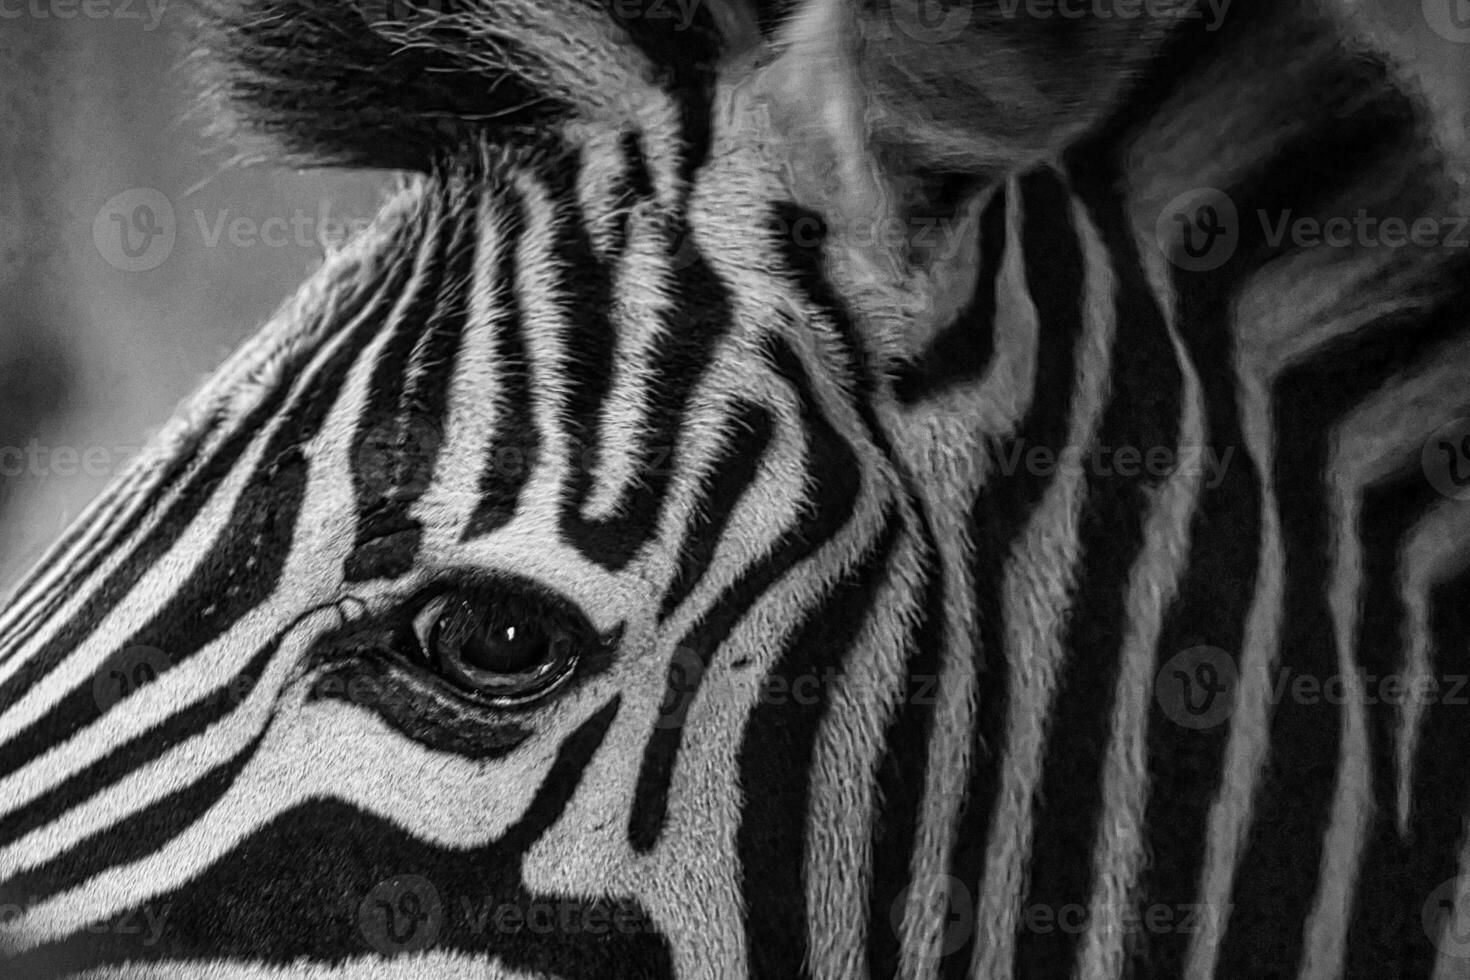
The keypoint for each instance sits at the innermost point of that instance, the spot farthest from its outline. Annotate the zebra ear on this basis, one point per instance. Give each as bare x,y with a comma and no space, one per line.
892,115
400,83
977,86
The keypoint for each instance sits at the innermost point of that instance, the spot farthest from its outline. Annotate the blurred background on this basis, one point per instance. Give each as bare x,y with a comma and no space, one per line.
132,260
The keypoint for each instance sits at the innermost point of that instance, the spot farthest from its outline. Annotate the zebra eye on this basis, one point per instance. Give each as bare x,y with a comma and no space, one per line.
500,648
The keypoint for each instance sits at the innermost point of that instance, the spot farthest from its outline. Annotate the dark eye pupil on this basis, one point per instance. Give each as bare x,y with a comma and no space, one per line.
501,648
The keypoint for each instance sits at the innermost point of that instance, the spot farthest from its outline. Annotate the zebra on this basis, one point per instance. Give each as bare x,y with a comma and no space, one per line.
825,489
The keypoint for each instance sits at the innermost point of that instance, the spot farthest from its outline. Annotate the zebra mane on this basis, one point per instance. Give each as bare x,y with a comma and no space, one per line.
401,85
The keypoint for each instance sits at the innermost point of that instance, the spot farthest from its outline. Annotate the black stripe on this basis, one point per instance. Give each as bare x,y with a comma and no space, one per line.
801,258
834,479
730,475
1388,937
1185,764
776,766
627,187
132,839
241,570
1142,416
1278,874
516,446
700,316
1440,787
195,492
900,780
216,576
900,777
686,56
140,750
1055,277
401,431
962,351
145,494
313,907
637,177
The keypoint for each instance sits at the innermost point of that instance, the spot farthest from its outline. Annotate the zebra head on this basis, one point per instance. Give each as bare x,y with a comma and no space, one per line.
629,557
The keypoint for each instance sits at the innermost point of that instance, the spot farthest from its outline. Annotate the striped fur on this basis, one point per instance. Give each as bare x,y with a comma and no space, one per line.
882,688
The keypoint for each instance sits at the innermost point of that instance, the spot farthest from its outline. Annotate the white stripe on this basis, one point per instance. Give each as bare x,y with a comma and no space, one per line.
994,408
1039,580
475,391
1153,585
415,966
1437,550
640,300
1245,752
845,763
